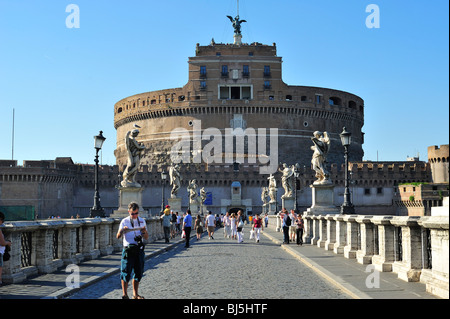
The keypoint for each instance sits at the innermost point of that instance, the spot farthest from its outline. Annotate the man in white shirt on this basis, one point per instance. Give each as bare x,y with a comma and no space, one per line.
134,231
210,222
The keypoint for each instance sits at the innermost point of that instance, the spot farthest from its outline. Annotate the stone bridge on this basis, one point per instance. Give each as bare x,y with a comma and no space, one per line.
414,248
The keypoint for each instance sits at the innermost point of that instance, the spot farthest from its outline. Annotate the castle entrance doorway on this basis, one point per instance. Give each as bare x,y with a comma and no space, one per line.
235,210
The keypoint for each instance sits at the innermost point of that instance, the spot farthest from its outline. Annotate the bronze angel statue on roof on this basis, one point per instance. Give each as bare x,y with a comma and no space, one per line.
236,24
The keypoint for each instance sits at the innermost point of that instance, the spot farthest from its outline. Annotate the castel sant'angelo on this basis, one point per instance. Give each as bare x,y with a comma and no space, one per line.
234,86
235,92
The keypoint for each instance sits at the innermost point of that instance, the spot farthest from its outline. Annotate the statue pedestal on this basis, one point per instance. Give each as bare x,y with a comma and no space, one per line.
237,39
126,196
272,208
288,203
194,207
265,208
322,200
175,204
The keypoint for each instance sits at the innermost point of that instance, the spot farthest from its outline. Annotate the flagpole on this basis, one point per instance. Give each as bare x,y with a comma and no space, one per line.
12,144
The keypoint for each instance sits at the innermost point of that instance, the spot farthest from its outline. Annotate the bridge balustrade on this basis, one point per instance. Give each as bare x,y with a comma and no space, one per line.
416,248
42,247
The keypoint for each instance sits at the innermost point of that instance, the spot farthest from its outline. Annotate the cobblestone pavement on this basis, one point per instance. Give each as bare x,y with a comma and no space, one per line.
221,269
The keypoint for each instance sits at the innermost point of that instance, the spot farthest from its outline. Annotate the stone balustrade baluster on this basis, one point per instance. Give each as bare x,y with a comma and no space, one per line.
315,230
322,232
409,268
365,253
341,234
435,272
386,249
351,245
331,232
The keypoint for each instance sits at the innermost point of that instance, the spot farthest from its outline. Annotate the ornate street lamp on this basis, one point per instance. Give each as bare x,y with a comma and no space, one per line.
296,174
347,207
97,210
163,178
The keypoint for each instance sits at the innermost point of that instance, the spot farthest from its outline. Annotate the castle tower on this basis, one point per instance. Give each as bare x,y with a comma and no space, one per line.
240,86
438,159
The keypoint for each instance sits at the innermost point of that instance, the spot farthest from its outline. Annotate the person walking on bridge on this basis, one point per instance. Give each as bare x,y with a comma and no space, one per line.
134,231
187,226
240,227
210,223
233,226
227,226
300,225
3,244
257,226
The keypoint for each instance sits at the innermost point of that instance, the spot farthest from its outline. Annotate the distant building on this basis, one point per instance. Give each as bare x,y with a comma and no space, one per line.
418,199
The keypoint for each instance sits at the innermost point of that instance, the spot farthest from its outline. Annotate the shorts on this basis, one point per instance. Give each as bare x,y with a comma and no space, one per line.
133,265
211,228
292,229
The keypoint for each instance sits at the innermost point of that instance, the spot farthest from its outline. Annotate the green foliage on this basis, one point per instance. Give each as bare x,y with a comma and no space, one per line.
414,184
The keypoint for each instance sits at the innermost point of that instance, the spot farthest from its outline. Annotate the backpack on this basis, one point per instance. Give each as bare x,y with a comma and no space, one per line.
288,221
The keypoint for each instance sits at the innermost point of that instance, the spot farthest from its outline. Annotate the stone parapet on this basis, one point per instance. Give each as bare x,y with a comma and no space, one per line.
415,248
42,247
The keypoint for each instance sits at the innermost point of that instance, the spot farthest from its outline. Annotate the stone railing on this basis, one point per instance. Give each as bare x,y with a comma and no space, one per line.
42,247
415,248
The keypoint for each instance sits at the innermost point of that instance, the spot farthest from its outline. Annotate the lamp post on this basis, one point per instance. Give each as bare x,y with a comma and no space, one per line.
347,207
97,210
163,178
296,174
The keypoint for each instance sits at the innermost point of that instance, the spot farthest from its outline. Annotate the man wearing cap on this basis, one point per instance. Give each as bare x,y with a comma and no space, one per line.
167,218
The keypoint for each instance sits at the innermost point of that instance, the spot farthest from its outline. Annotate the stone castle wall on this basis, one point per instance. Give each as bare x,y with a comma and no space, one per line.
69,191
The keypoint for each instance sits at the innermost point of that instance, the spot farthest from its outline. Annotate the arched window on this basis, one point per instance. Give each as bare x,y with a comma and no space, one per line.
352,104
335,101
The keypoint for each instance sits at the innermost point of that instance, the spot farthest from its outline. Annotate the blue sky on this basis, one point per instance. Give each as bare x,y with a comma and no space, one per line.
63,83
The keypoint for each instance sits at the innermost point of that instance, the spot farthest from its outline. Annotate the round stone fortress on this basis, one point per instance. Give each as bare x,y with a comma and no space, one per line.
240,86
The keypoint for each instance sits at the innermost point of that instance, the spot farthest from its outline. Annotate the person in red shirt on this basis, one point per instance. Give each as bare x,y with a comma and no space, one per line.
257,226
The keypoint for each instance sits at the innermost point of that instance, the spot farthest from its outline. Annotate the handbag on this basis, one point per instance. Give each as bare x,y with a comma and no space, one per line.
183,234
6,255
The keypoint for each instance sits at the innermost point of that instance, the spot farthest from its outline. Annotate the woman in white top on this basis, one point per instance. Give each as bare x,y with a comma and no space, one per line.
233,226
227,225
3,244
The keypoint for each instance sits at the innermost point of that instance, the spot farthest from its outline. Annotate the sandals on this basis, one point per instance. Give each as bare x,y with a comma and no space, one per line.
134,297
